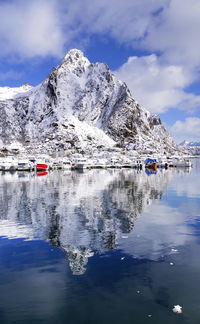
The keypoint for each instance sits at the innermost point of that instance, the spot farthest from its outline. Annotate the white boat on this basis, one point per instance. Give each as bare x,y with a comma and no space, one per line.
56,164
182,163
115,163
91,163
80,163
163,163
25,165
137,163
9,163
100,163
66,164
126,162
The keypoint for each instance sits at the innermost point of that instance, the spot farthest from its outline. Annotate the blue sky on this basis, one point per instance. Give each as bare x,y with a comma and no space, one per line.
152,45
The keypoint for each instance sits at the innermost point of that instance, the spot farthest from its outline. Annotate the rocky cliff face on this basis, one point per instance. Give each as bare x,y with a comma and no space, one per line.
80,106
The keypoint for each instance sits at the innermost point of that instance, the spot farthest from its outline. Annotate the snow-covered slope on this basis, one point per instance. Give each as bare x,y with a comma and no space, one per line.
80,106
12,93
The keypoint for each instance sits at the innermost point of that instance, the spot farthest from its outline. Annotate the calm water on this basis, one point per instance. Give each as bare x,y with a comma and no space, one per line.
103,246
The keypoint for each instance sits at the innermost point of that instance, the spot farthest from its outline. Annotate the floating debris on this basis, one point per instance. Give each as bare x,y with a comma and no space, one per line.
174,250
177,309
171,263
124,236
149,315
138,291
122,258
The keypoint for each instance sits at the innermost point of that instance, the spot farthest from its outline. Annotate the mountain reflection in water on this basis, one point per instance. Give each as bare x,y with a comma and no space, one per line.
81,213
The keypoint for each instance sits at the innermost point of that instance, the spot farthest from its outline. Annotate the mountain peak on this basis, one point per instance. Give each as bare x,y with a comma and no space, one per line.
75,52
74,57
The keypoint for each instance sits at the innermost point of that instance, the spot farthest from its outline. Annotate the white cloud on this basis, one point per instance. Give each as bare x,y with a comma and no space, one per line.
42,27
123,21
175,32
30,28
171,27
168,26
188,129
156,86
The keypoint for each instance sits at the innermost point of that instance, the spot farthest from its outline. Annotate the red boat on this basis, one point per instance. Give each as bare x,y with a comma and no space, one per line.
42,166
42,173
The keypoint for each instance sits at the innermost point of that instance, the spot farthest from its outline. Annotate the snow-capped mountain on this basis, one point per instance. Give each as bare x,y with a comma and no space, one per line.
187,143
192,148
80,106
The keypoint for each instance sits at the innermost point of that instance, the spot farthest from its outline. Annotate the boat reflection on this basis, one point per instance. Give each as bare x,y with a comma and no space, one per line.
150,171
42,173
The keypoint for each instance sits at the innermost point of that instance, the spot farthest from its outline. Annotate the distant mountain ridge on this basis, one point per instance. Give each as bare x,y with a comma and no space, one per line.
192,147
187,143
81,107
